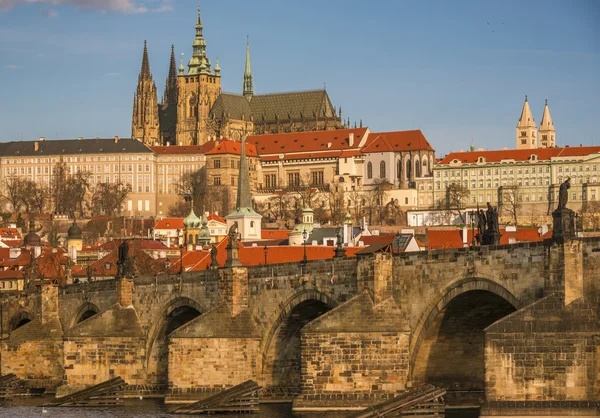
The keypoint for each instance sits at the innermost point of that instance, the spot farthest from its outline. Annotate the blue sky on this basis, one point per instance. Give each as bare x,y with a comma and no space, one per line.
457,70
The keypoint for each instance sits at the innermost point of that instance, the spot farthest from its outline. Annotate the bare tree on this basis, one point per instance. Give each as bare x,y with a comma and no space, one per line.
376,199
307,191
12,192
336,200
512,202
36,196
457,197
179,209
69,191
108,198
590,215
393,214
280,206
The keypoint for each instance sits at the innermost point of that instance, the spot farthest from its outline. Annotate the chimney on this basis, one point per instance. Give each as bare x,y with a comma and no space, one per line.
36,146
42,138
351,139
116,139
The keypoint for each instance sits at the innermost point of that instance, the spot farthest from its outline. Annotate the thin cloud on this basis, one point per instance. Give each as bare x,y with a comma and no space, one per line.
13,67
47,12
106,6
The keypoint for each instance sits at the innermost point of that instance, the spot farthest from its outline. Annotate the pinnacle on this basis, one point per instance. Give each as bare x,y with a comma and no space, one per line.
145,71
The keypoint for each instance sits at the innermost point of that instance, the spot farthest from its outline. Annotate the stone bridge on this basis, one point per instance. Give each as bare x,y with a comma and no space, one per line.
350,331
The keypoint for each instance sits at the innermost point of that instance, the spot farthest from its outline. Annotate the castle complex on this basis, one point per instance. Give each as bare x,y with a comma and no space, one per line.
194,109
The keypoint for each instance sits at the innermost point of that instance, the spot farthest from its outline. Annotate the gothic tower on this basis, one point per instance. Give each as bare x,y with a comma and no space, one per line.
547,134
248,85
145,122
168,107
526,129
197,92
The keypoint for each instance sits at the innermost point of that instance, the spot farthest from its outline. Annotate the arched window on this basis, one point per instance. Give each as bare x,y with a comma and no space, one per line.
382,169
425,170
417,168
408,169
399,171
369,170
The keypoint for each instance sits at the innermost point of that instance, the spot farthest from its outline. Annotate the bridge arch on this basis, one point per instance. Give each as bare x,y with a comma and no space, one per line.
174,314
19,319
85,311
451,328
281,343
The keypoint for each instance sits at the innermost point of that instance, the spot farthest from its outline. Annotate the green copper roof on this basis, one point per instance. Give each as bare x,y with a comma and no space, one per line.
192,221
199,63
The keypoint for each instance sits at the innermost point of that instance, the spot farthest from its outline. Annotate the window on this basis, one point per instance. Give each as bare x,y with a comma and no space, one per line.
293,179
232,163
369,170
232,180
317,177
217,180
382,169
217,163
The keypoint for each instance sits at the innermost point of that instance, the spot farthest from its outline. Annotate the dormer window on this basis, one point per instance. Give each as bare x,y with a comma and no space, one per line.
481,159
533,157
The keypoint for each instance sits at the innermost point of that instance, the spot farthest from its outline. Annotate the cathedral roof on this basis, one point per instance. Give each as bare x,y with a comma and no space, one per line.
72,146
233,106
233,147
293,105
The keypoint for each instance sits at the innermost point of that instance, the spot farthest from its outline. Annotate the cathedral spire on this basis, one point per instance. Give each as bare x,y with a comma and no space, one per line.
170,96
199,63
248,85
145,71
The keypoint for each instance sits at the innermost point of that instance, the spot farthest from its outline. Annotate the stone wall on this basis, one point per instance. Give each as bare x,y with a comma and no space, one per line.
544,352
197,363
366,366
90,360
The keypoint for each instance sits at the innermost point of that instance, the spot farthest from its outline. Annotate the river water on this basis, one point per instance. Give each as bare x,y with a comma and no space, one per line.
155,409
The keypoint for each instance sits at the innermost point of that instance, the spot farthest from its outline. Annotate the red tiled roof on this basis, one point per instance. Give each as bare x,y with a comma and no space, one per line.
396,141
10,233
11,274
306,142
495,156
373,239
184,149
255,256
169,223
143,244
275,233
452,238
13,243
214,217
233,147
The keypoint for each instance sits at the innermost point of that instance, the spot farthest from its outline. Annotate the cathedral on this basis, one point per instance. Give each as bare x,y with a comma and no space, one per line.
194,109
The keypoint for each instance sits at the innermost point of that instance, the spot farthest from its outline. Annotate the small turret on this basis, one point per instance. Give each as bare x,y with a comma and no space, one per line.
248,83
547,135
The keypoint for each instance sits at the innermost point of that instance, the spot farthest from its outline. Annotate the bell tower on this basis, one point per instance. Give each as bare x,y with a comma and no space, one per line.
547,132
198,89
526,129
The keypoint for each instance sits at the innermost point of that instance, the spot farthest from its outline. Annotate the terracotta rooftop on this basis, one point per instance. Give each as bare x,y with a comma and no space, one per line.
214,217
169,223
307,142
10,233
233,147
396,141
543,154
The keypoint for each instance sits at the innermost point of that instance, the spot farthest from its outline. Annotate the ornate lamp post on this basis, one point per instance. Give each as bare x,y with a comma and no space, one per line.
266,249
304,239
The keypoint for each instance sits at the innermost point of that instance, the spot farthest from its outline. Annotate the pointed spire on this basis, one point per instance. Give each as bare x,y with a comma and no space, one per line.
170,96
248,84
546,123
244,197
526,118
181,67
145,71
199,63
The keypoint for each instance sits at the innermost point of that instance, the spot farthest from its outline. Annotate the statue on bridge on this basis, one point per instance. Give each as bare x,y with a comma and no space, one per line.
563,218
233,230
213,257
487,224
123,260
563,194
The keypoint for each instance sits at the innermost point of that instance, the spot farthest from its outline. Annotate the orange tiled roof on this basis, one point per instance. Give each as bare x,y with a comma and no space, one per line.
396,141
169,223
215,217
10,233
184,149
438,239
275,233
306,142
233,147
495,156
